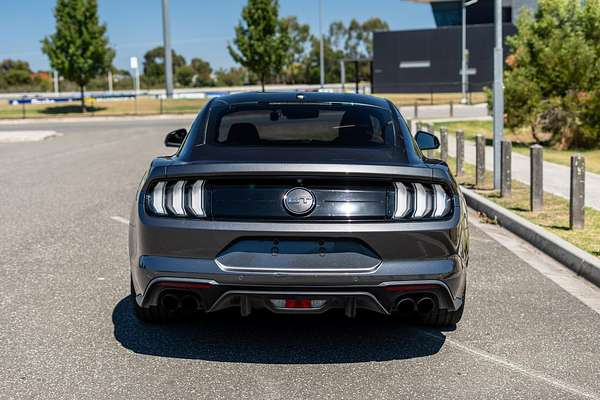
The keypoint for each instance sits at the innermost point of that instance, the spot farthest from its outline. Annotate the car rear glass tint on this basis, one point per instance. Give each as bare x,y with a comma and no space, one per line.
302,125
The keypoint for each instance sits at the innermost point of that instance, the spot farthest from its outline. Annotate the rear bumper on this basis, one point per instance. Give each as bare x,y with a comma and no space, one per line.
378,290
164,250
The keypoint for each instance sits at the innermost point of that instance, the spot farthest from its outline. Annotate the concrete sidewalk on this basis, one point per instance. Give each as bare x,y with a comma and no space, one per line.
442,111
556,177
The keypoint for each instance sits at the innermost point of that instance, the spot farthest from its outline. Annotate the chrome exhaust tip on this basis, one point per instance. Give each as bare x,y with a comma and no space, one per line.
170,302
406,306
189,303
425,305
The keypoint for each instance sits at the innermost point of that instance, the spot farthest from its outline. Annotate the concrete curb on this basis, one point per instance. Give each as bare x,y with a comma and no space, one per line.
579,261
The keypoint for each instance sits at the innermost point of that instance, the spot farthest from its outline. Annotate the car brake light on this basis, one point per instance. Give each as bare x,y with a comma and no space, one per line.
420,200
297,303
158,198
180,198
177,198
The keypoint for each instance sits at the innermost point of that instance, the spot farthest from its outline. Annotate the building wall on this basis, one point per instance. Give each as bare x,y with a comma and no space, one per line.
449,13
429,60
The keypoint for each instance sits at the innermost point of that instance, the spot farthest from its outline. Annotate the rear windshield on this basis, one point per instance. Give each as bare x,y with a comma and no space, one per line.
301,125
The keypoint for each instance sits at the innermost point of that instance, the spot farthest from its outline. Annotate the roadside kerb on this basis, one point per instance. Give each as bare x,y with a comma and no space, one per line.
579,261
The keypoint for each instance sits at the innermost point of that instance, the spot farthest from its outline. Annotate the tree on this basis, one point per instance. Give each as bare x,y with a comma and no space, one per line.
261,41
231,76
552,73
331,57
203,72
356,42
185,75
154,65
15,73
299,35
78,49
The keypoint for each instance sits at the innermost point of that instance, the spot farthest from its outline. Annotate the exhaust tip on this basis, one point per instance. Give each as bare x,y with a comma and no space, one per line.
425,305
405,306
189,303
170,302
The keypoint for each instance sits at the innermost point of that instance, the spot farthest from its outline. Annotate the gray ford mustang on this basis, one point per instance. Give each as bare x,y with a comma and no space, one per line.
299,203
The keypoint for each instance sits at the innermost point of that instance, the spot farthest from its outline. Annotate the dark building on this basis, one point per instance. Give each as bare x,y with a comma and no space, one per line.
430,59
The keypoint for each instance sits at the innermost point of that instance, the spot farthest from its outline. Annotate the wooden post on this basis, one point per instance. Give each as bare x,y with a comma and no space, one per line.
460,152
479,161
536,159
444,144
416,112
577,193
505,168
451,109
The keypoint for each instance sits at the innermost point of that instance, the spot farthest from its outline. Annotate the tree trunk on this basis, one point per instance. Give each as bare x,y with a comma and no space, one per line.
81,90
566,139
262,82
534,134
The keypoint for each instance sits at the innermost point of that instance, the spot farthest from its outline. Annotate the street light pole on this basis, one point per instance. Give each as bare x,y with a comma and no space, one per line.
498,93
321,55
464,54
167,46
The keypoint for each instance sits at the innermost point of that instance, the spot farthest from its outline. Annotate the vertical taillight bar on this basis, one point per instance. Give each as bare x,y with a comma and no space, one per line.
402,200
158,198
440,201
420,200
178,199
197,199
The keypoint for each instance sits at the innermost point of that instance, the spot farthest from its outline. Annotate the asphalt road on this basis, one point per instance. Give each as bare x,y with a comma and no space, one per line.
66,331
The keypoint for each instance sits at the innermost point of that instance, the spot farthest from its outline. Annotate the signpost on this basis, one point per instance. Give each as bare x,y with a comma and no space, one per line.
134,65
498,94
464,70
167,46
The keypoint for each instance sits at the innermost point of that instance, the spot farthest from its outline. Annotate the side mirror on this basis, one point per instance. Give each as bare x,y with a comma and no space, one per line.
175,138
427,141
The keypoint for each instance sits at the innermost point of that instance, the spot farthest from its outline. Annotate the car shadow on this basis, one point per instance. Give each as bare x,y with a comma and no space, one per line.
263,337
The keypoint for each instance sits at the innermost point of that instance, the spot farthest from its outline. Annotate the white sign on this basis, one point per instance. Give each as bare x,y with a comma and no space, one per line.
133,63
470,71
415,64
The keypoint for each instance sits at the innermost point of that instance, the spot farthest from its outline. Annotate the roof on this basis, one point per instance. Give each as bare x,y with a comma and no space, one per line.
304,97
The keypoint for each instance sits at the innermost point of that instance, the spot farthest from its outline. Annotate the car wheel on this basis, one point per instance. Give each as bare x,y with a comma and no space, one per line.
151,314
440,317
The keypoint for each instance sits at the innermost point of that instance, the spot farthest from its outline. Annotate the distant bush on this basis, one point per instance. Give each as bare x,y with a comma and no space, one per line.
552,81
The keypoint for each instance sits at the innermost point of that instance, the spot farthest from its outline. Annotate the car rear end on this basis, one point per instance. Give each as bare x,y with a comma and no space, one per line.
298,228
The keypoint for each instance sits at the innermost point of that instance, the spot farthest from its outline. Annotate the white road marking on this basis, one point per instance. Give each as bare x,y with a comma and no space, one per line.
120,219
514,367
578,287
26,136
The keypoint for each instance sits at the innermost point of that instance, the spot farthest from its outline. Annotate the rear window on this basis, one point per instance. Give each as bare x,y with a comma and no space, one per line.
301,125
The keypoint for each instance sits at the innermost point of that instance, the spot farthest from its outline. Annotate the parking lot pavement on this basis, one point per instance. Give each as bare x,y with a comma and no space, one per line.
66,330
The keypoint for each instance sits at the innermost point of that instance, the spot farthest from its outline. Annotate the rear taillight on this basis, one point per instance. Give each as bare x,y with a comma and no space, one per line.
177,198
420,200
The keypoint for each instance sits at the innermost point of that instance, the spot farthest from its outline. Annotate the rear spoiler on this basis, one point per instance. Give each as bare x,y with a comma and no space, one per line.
297,169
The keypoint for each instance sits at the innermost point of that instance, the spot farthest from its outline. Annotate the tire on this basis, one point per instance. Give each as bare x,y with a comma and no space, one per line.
440,317
151,314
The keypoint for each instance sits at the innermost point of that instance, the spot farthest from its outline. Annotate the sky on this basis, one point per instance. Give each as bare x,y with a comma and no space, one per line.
199,28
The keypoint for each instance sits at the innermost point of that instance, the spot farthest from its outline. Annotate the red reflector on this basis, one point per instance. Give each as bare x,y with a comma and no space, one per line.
301,303
185,285
409,288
